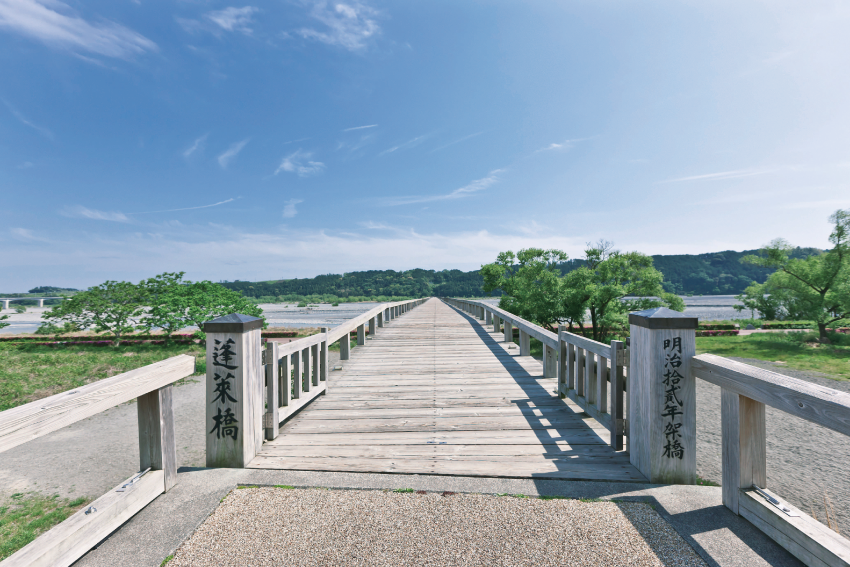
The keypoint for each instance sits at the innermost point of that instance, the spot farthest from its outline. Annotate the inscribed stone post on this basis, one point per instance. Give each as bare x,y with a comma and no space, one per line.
234,400
662,396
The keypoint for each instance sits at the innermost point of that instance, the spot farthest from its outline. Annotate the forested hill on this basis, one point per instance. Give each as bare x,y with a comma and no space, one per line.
701,274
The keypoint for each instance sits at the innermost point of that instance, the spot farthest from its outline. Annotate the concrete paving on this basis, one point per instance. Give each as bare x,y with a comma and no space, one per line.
695,512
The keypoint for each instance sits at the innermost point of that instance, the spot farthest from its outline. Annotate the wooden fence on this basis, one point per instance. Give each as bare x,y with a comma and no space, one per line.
745,391
151,386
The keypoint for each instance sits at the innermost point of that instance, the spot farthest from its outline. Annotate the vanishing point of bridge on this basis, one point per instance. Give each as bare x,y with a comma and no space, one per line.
438,393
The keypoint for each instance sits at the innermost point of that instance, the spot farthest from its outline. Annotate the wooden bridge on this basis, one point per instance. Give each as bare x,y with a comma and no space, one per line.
444,390
439,393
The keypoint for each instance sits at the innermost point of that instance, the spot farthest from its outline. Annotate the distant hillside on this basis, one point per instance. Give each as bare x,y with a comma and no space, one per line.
717,273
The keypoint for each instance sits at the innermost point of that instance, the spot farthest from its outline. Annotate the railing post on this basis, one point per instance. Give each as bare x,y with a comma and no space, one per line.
550,368
744,445
497,323
617,417
509,332
662,396
314,354
234,399
488,317
373,323
271,421
285,373
297,374
361,335
380,319
345,346
306,367
562,364
157,448
579,374
323,356
524,343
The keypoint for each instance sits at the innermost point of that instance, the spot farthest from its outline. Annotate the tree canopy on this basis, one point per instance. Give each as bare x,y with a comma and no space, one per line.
816,288
602,291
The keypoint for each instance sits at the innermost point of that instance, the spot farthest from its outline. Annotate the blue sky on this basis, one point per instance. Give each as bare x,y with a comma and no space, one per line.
289,139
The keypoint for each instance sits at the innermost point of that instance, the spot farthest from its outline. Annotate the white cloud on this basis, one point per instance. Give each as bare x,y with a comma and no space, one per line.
86,213
465,191
722,175
41,130
198,143
408,144
348,25
26,235
456,142
299,162
225,158
234,19
26,165
55,23
289,209
360,127
187,208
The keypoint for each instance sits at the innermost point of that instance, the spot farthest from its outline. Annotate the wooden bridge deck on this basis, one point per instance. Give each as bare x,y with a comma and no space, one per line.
436,392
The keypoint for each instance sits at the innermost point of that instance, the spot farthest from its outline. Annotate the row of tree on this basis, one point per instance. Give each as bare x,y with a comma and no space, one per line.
165,302
816,288
604,288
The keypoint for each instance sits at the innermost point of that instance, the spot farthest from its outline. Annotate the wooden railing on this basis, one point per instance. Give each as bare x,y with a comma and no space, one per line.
584,367
745,391
297,372
151,386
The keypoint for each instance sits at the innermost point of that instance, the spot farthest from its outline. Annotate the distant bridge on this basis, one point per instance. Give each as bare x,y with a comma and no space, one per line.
7,300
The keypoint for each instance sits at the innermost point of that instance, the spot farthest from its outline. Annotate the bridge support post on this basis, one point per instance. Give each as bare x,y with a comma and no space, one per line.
41,303
524,343
5,304
662,396
234,398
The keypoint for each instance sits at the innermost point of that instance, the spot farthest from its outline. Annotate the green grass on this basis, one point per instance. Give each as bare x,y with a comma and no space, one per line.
404,490
795,350
31,372
166,560
703,482
23,517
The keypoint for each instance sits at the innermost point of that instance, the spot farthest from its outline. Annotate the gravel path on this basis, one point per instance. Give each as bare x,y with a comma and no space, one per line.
275,526
804,460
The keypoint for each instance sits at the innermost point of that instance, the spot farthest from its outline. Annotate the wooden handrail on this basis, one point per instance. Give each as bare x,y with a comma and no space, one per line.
151,385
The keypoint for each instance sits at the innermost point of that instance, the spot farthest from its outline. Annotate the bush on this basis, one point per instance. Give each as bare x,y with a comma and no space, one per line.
302,304
717,333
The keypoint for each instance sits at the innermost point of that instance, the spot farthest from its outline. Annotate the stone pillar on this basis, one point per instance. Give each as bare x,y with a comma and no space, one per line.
234,400
662,396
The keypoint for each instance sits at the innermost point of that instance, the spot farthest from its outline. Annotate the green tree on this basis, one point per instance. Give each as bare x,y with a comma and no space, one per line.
606,287
531,282
762,299
112,307
609,286
2,324
817,287
175,304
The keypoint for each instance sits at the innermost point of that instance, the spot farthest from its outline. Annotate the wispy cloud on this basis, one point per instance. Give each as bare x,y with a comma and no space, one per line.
186,208
408,144
722,175
41,130
225,158
299,162
26,234
289,209
565,145
55,23
443,147
360,127
196,145
348,25
234,19
465,191
26,165
86,213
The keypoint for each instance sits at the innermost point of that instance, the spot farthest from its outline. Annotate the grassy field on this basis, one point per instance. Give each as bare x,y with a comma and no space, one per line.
23,517
794,350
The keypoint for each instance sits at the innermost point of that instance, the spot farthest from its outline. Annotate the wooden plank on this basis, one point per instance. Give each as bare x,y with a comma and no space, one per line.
70,540
818,404
509,437
270,419
744,444
804,537
286,412
157,449
31,421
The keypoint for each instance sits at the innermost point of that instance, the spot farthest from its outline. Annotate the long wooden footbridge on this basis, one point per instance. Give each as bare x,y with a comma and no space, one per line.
440,387
439,393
